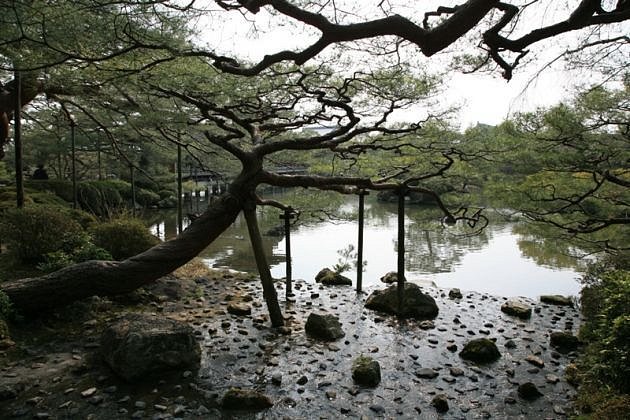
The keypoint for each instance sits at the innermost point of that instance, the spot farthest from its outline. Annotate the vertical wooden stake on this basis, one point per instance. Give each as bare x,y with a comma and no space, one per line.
74,164
17,137
362,195
133,192
180,220
401,250
287,216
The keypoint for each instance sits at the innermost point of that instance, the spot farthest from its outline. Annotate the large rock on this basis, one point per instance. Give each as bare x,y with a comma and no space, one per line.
556,300
416,304
564,342
517,308
324,327
137,345
330,278
366,371
389,278
480,350
245,399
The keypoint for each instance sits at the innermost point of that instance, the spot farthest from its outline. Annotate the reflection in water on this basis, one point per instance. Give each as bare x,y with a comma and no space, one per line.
491,261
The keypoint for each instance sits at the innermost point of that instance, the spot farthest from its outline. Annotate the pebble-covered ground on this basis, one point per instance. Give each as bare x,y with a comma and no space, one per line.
55,371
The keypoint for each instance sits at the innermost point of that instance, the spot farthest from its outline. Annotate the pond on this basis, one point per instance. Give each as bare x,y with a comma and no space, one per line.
501,260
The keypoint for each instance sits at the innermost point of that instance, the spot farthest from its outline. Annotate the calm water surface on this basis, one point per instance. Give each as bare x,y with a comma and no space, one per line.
497,261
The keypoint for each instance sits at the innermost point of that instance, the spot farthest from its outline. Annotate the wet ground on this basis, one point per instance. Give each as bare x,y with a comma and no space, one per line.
304,378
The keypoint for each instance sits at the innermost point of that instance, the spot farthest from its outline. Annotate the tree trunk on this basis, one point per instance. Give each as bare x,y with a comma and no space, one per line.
269,290
108,278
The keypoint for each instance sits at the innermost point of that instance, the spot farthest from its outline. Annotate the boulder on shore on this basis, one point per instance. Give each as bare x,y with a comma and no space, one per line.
366,371
564,342
389,278
245,399
324,327
330,278
137,345
517,308
480,350
455,293
557,300
416,304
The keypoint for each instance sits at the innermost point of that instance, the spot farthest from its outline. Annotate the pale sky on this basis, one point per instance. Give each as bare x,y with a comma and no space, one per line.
483,98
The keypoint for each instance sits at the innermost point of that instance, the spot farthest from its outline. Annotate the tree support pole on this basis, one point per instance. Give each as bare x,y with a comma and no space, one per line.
74,164
133,191
287,216
269,290
180,220
401,250
17,137
362,195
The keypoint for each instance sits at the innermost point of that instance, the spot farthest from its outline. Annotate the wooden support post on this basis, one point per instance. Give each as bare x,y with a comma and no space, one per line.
133,192
17,138
362,194
287,216
401,249
180,220
98,157
74,164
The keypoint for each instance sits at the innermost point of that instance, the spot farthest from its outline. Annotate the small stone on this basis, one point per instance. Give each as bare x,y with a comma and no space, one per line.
451,347
378,409
88,392
517,309
529,391
276,378
303,380
481,350
556,300
455,293
552,379
440,402
239,309
455,371
426,373
534,360
245,399
366,371
323,327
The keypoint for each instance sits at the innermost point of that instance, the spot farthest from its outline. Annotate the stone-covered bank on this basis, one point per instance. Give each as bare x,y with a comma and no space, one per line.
305,378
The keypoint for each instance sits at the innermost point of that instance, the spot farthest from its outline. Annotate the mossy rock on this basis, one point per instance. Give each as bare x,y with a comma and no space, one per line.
245,399
564,342
480,350
330,278
416,304
366,371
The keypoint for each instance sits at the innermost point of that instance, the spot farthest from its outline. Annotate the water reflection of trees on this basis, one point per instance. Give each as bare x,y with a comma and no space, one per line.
538,243
429,246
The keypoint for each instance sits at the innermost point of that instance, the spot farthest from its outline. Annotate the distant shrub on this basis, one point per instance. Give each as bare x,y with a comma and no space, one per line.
33,232
6,308
84,251
146,198
123,238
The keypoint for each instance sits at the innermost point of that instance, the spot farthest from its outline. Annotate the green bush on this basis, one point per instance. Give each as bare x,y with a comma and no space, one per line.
605,364
6,308
33,232
86,251
123,238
